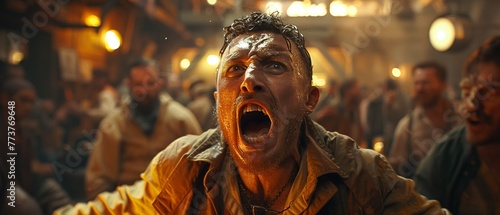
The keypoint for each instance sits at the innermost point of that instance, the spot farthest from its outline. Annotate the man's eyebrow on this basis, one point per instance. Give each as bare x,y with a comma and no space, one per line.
271,50
275,51
278,47
277,54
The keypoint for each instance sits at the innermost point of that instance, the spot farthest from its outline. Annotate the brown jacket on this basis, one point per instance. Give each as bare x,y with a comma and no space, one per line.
195,175
122,151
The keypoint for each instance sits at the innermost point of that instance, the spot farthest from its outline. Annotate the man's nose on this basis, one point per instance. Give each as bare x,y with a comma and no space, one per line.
473,100
252,81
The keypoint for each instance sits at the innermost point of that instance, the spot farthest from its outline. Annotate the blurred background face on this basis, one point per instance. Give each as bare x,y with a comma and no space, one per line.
427,87
483,106
145,85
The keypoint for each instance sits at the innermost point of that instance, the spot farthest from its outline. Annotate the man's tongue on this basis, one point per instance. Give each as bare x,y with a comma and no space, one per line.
256,129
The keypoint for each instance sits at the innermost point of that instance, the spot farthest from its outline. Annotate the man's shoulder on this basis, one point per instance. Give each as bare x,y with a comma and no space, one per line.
332,141
436,174
443,159
453,144
342,146
341,149
188,148
358,164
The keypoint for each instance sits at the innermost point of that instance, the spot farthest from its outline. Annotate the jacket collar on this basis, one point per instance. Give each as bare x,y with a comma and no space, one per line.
320,157
318,147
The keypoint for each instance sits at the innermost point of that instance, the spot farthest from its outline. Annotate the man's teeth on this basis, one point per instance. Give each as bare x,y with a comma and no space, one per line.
250,108
257,139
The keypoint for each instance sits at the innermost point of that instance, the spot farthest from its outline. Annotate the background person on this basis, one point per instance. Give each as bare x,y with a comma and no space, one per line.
130,136
432,116
463,170
46,191
384,112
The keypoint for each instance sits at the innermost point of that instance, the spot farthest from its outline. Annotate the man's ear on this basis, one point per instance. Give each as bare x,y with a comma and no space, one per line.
215,95
312,99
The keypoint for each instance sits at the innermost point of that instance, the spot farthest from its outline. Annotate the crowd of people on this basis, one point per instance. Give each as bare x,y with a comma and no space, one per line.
264,140
73,151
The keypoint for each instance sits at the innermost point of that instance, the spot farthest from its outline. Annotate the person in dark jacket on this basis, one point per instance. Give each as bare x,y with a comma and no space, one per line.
463,171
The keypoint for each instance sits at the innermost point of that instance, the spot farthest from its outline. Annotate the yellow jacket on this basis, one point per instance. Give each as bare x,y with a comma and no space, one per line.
122,151
335,177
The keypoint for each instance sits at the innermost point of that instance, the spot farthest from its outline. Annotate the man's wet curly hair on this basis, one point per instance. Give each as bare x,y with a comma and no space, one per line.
258,21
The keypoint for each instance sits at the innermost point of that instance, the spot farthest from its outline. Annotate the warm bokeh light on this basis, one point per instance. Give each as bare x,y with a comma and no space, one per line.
352,11
318,81
211,2
213,60
185,63
396,72
378,146
273,6
338,8
296,9
299,8
112,40
442,34
317,10
16,57
92,20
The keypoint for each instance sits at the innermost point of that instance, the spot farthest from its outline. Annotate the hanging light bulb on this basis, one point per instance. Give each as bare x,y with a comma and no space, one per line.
112,40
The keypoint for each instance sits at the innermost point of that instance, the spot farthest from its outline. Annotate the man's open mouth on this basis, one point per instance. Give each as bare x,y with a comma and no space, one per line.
473,121
476,119
255,123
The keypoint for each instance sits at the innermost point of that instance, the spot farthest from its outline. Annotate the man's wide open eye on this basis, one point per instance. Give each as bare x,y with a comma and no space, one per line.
234,71
235,68
276,67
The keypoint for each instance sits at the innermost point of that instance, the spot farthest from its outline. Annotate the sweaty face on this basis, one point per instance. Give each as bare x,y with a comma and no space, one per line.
262,97
483,106
145,85
428,87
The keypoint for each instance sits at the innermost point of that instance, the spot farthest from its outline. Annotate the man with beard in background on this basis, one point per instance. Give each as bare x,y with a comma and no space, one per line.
132,134
432,116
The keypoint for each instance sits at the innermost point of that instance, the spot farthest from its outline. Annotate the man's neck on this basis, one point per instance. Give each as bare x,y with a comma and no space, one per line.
436,112
267,184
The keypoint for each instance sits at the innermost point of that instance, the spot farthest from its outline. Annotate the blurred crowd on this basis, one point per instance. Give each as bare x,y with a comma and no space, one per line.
67,153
